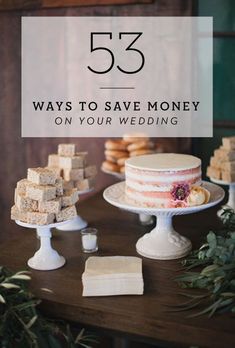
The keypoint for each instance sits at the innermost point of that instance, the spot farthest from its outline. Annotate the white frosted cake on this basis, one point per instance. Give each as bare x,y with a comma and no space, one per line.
165,181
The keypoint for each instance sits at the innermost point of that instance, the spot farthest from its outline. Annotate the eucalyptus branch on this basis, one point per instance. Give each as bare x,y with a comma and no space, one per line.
216,275
23,325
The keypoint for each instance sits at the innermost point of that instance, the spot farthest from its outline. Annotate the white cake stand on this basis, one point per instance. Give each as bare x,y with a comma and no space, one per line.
231,194
144,219
163,242
77,223
46,258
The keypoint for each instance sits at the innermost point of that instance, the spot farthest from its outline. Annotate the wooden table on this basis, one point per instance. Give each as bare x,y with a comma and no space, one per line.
142,317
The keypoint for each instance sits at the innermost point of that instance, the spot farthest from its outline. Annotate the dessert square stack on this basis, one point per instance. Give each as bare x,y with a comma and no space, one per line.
41,200
73,168
119,150
113,275
222,164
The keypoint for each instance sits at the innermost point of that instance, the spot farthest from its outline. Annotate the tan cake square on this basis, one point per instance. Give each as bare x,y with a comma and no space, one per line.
229,143
70,197
66,213
72,162
56,170
226,155
21,186
85,184
24,203
229,166
40,192
18,215
90,171
66,149
36,218
213,173
73,174
53,160
68,185
84,155
228,176
41,176
52,206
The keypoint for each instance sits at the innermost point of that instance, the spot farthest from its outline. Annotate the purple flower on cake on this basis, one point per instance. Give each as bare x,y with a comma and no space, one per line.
180,192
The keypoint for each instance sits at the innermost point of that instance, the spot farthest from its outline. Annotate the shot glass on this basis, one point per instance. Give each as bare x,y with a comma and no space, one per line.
89,240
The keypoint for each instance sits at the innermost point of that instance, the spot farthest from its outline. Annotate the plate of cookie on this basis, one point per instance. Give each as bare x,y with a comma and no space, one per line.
117,151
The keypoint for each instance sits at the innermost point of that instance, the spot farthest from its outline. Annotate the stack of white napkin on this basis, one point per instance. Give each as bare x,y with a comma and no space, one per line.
113,275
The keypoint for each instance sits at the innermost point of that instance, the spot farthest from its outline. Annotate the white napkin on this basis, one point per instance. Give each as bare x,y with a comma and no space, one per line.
113,275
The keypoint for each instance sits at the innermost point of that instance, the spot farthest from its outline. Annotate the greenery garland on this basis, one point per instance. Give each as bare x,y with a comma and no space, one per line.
216,274
21,323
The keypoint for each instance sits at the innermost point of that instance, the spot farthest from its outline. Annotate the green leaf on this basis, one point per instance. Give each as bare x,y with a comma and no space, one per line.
2,300
209,269
21,277
21,323
10,286
31,322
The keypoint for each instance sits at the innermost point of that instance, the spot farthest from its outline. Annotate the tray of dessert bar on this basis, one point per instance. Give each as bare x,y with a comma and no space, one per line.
221,169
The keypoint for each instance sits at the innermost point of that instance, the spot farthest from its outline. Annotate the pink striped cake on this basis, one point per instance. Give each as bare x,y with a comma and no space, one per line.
164,181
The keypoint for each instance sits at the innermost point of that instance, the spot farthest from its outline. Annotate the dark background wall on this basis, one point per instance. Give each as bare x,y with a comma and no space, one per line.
18,154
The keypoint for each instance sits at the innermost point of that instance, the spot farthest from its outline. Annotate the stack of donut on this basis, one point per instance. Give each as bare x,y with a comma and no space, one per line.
118,150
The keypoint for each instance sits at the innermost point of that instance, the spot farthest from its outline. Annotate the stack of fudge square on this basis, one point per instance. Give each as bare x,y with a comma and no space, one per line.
222,164
41,200
73,167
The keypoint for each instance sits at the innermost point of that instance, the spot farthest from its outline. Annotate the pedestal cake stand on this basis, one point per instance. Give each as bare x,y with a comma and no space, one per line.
144,219
46,258
163,242
77,223
231,194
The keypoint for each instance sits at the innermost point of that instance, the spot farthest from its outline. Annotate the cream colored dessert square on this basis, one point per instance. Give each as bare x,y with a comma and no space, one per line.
68,185
53,160
52,206
228,176
73,174
70,197
90,171
18,215
56,170
226,155
84,155
40,192
36,218
85,184
229,143
229,166
66,149
41,176
21,186
213,173
73,162
66,213
216,162
24,203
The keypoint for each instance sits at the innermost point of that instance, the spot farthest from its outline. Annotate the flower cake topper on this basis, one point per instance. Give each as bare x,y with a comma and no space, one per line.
180,192
184,196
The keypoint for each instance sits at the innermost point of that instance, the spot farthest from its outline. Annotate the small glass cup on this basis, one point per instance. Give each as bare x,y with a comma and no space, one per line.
89,240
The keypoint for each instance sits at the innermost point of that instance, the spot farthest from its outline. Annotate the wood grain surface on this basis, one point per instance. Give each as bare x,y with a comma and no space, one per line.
145,317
